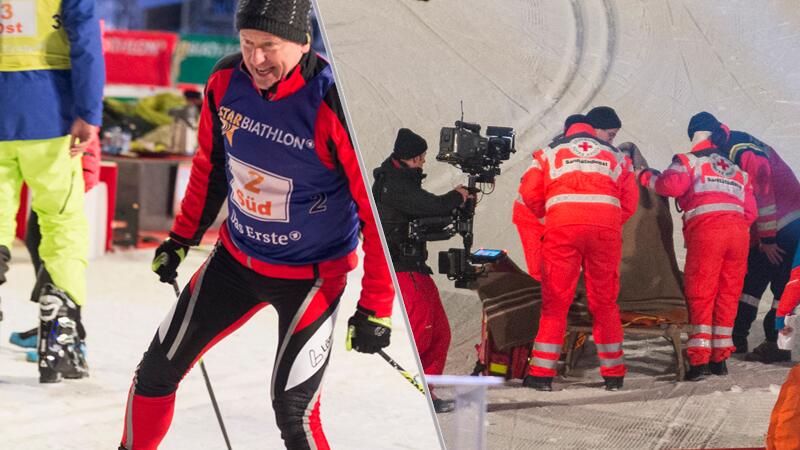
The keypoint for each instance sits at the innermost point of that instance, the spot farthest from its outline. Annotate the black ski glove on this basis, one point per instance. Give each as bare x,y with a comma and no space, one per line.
168,257
5,256
367,333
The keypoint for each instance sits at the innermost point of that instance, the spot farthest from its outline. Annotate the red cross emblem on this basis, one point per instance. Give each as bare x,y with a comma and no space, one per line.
585,146
722,166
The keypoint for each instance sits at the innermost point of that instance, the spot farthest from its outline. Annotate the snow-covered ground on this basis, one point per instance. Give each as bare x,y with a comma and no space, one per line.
365,403
529,64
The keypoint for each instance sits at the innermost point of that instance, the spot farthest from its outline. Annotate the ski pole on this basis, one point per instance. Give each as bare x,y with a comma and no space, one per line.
402,371
208,383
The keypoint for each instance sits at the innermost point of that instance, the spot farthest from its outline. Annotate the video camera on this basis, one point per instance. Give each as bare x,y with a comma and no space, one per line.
480,157
462,146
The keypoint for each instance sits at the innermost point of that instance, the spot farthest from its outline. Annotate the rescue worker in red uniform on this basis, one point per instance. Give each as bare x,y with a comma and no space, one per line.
585,190
719,207
529,227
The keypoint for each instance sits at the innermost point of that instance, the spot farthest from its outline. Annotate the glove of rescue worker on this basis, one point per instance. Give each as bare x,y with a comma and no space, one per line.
5,256
643,175
168,257
367,333
780,323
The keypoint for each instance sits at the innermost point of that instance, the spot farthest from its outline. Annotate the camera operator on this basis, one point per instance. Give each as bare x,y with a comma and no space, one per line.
400,199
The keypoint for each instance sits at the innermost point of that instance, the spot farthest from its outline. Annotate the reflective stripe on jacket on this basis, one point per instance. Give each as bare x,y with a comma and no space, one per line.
775,186
580,179
706,184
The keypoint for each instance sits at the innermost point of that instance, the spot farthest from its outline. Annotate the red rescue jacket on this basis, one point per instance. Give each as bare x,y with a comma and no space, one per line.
708,186
580,180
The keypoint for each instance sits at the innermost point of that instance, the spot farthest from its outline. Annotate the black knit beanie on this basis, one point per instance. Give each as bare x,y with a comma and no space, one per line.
287,19
573,119
408,144
604,118
703,121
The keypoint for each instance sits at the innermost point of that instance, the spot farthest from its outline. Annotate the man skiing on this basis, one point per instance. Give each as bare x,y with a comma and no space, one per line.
400,198
51,86
273,142
584,189
719,207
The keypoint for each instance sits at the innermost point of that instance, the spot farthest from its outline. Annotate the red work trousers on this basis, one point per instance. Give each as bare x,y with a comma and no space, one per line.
716,263
531,237
428,319
565,249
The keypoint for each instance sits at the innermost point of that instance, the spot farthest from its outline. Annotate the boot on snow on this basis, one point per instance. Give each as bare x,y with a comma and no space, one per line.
539,383
441,405
768,353
613,383
59,340
25,339
697,373
718,368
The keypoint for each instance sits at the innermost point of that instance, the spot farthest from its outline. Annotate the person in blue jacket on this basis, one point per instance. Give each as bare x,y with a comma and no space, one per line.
51,87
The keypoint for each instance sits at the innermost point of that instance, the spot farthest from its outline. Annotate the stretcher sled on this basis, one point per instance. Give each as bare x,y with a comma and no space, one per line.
651,297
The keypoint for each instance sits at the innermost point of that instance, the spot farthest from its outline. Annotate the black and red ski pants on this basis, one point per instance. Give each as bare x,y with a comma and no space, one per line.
220,298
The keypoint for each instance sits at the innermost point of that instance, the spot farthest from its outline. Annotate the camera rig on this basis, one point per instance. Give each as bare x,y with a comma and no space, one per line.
480,158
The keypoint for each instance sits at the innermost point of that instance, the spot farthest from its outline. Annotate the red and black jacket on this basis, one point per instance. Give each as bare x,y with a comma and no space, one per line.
209,183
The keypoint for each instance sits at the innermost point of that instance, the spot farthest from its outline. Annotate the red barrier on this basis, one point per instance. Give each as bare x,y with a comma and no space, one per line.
139,57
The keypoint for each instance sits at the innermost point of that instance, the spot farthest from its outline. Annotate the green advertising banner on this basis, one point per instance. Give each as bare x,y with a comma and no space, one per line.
196,55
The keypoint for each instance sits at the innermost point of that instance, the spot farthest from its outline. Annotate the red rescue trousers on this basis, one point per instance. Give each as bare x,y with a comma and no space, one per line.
716,262
565,249
428,319
531,237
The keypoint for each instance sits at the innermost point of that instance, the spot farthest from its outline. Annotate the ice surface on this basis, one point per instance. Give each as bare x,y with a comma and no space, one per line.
365,403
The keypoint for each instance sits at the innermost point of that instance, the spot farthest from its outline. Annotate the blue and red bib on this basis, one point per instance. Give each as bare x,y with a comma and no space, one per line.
284,205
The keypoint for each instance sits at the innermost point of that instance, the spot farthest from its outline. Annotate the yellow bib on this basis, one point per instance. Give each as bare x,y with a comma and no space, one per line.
32,36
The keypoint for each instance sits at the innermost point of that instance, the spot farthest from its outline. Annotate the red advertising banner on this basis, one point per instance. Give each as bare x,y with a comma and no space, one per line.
139,57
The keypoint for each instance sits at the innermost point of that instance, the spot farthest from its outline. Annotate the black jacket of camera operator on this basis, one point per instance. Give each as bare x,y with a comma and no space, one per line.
400,199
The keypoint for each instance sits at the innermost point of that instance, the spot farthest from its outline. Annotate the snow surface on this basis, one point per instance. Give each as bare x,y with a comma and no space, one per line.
529,64
365,403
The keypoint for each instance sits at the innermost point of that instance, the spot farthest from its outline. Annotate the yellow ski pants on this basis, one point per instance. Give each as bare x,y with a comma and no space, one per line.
55,181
